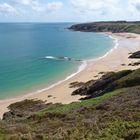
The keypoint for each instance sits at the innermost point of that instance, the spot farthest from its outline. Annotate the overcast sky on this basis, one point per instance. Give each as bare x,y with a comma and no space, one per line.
68,10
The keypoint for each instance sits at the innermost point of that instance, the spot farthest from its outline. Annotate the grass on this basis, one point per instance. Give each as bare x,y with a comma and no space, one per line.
117,130
112,116
132,79
73,106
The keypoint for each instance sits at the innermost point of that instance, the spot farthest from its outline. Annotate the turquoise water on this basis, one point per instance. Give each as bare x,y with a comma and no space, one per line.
24,46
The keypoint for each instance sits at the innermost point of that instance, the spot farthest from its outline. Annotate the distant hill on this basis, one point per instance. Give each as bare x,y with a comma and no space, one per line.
112,26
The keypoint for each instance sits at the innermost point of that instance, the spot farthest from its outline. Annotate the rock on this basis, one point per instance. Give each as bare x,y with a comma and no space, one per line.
95,88
123,64
135,55
101,73
76,84
134,64
49,96
24,109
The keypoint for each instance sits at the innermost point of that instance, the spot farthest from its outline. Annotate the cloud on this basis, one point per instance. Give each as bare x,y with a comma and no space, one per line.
24,2
96,6
70,10
6,9
29,7
49,7
134,5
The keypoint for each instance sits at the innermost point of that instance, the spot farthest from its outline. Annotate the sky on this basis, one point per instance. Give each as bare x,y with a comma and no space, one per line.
68,10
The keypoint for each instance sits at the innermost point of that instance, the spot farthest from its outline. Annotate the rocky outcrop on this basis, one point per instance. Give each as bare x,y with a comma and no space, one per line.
25,108
76,84
95,88
134,64
135,55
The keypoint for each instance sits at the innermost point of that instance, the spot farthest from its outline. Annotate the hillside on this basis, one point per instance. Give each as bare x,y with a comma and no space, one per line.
111,113
115,27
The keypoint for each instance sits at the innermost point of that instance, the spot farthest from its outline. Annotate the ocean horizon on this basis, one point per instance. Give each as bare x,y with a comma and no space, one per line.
36,56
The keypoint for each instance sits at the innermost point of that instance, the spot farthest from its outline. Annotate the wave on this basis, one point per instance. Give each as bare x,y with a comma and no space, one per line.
115,41
62,58
51,57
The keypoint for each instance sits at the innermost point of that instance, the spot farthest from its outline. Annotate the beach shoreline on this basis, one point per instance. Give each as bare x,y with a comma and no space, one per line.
60,92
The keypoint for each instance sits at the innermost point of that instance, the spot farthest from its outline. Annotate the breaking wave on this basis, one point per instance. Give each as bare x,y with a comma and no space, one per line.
61,58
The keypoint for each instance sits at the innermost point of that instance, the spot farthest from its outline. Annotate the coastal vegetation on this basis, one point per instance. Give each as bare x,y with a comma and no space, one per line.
111,112
115,27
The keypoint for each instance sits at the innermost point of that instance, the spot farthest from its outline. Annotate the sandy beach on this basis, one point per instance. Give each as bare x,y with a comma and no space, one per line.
115,60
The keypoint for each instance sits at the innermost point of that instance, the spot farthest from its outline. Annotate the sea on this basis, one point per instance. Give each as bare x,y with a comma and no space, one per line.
37,56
